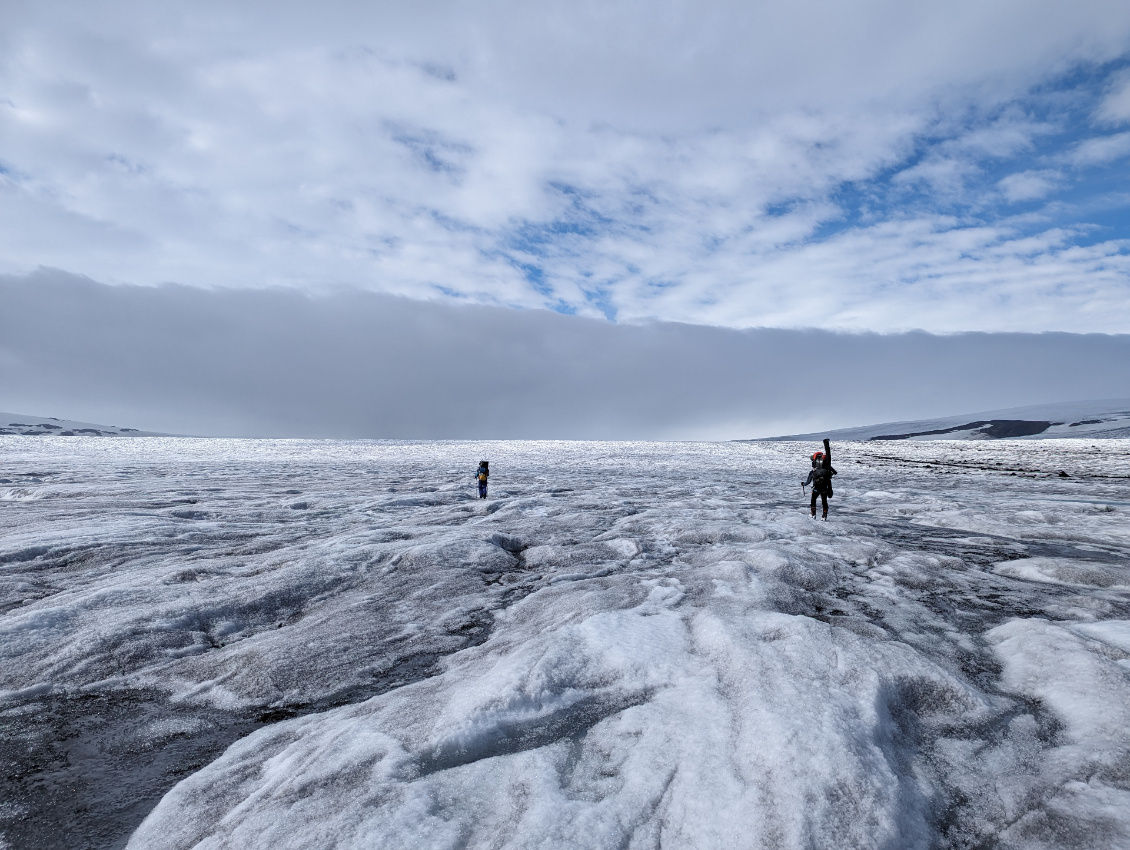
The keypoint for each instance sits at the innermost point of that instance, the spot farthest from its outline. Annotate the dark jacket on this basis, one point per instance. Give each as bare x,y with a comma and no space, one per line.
820,476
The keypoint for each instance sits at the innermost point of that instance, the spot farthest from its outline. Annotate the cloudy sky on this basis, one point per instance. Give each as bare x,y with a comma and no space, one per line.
851,170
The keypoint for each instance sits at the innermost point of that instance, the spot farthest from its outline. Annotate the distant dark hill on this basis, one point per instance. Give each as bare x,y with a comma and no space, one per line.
20,424
1109,419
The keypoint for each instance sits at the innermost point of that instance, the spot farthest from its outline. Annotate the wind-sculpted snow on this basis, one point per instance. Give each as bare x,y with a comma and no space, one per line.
320,644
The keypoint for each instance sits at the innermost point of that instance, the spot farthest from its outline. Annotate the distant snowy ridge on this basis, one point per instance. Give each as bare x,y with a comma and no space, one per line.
1107,419
21,424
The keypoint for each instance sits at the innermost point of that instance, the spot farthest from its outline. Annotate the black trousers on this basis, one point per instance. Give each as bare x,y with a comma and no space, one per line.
823,502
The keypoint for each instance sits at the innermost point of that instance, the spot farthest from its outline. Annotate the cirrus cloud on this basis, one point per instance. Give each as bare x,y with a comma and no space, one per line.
872,167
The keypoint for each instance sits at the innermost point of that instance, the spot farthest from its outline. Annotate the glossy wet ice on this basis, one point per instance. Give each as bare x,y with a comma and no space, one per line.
628,644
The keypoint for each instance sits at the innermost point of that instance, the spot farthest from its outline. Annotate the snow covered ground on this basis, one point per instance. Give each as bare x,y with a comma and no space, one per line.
287,644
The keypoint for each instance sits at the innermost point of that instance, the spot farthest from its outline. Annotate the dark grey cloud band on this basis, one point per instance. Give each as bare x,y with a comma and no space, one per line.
353,364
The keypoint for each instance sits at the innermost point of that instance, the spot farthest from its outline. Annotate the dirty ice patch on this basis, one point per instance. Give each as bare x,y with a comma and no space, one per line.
1067,571
1084,775
17,494
661,723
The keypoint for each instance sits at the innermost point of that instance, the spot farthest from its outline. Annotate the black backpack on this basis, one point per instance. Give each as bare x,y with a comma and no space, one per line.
822,480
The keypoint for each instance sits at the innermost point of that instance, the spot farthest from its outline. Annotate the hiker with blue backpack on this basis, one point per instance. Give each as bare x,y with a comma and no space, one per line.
820,477
482,473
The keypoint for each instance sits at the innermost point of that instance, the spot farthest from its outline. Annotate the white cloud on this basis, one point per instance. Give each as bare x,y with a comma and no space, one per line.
1029,185
1115,106
1101,150
677,162
919,273
941,174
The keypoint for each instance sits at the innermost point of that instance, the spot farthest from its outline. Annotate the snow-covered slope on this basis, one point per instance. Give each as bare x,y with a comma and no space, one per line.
1108,419
45,426
276,644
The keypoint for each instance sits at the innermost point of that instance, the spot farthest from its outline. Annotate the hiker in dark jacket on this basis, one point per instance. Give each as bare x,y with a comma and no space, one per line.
482,473
820,477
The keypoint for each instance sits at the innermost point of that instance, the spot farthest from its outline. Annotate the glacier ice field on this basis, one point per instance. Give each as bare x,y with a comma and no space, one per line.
316,644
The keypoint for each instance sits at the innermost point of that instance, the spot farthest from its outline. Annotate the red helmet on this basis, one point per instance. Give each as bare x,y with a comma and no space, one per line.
817,455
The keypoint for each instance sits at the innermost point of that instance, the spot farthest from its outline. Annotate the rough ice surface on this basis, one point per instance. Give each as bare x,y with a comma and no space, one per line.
287,644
